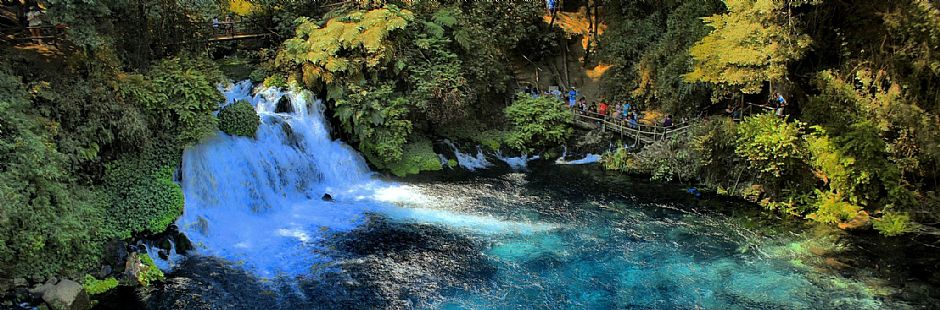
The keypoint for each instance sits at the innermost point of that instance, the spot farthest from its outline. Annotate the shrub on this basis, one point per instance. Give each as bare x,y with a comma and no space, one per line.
537,123
145,198
893,224
149,272
94,286
239,119
417,156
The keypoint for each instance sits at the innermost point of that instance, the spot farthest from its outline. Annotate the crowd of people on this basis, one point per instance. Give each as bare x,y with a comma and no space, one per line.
626,113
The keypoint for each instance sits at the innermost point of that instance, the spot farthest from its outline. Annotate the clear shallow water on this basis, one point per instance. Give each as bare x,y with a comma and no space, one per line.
554,237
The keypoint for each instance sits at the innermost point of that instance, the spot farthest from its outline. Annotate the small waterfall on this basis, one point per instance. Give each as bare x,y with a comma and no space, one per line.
588,159
257,201
468,162
516,163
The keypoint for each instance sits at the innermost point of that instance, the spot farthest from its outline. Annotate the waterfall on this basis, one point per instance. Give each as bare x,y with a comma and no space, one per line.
257,201
469,162
516,163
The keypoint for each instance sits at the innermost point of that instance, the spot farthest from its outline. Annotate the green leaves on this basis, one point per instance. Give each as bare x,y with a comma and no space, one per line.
239,119
376,117
537,123
345,47
749,45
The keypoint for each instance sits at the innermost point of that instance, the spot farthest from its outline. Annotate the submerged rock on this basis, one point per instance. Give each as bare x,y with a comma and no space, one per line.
66,295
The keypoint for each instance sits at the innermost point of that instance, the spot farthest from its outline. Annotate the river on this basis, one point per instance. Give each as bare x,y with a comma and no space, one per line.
543,235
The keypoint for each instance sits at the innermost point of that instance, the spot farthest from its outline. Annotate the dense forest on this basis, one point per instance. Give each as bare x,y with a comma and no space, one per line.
92,129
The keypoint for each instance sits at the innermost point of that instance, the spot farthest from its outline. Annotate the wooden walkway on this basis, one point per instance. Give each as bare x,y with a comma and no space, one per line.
640,133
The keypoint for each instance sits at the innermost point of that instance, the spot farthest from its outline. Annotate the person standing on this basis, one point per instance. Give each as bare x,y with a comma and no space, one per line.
668,121
781,103
572,97
33,19
602,109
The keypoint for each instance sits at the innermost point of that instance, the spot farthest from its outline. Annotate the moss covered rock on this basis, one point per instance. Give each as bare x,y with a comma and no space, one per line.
239,119
417,156
94,286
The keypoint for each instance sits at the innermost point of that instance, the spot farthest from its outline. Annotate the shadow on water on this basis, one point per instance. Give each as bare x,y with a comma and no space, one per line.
617,243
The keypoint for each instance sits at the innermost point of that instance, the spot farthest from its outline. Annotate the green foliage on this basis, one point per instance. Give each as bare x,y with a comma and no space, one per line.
893,224
619,160
47,222
149,272
714,141
376,118
239,119
750,44
647,45
95,287
668,160
187,91
832,207
537,123
771,146
346,48
145,198
417,156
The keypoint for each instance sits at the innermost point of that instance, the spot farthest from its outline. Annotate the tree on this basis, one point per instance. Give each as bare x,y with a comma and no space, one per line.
750,45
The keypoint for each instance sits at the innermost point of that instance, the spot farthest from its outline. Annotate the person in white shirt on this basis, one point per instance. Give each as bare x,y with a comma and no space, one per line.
33,20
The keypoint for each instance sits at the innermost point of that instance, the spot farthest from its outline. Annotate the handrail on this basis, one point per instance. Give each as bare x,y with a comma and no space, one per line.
648,131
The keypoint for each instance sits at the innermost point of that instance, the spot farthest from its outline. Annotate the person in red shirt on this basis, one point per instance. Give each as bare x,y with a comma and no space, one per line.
602,110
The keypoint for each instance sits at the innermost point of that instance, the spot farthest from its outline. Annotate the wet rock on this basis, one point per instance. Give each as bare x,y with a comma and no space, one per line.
327,197
284,106
183,244
132,268
165,244
38,290
116,252
163,254
104,271
66,295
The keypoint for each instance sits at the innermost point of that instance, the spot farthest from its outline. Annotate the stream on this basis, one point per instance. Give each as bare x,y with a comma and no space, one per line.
536,234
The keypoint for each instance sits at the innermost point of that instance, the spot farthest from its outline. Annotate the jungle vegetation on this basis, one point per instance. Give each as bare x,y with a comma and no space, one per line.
90,135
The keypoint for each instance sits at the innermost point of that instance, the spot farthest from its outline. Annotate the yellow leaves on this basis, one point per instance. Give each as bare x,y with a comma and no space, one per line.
748,46
344,44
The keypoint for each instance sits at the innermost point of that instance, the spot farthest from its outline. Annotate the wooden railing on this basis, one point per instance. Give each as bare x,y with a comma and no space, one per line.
47,34
638,131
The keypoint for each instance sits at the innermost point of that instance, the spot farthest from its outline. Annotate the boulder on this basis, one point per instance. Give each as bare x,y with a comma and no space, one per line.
20,282
183,244
67,295
104,271
39,290
132,268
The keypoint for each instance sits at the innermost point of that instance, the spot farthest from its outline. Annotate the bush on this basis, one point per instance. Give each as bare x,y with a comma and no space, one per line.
537,123
417,156
145,198
239,119
94,286
893,224
149,272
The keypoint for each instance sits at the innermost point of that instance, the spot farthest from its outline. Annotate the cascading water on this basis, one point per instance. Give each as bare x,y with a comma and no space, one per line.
257,201
470,162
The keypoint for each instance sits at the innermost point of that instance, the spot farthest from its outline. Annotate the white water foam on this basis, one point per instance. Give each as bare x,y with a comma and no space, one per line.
472,163
588,159
516,163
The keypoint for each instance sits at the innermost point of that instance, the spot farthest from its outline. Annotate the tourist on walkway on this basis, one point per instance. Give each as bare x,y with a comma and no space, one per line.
668,121
34,21
572,97
602,110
